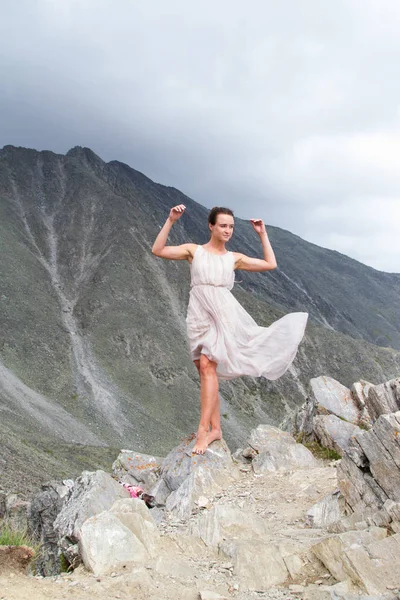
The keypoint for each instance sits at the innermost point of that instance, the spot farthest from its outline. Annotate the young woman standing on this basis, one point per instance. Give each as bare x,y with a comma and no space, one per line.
225,341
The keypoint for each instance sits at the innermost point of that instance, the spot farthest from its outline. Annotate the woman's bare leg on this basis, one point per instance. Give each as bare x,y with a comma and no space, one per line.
215,421
208,398
216,432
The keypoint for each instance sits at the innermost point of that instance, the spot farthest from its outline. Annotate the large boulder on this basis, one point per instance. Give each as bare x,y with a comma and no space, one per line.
334,433
369,558
44,508
325,512
189,476
106,544
331,397
134,514
92,493
277,450
227,522
16,512
257,565
369,474
384,398
137,469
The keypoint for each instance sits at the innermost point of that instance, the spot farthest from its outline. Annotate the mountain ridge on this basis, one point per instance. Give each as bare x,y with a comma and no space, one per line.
93,321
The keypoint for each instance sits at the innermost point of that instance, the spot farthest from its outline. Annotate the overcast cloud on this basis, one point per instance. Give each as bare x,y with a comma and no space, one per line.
288,110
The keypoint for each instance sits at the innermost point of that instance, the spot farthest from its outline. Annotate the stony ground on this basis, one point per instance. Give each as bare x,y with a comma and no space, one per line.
185,566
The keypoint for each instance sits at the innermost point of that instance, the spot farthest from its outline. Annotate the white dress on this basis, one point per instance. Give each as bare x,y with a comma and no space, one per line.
219,327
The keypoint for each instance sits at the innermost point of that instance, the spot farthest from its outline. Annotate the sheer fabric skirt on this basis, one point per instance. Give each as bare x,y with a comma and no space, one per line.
219,327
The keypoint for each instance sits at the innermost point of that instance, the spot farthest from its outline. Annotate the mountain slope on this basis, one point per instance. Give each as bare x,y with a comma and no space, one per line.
93,323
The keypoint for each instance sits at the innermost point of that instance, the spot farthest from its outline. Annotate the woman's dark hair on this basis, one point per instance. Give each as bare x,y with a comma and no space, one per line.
218,210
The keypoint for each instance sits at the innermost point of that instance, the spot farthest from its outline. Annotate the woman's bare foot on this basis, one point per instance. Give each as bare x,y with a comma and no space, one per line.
214,434
201,441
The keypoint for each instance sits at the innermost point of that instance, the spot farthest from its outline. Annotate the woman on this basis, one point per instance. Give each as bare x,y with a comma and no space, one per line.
225,342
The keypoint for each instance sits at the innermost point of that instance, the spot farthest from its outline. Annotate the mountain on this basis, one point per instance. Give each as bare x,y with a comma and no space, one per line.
93,353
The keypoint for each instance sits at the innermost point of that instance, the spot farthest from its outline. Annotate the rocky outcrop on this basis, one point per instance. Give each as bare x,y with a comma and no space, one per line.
136,468
369,474
184,477
233,517
383,399
91,494
115,538
271,449
43,511
369,558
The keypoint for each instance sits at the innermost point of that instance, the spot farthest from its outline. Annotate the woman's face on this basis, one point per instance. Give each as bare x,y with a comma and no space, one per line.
222,231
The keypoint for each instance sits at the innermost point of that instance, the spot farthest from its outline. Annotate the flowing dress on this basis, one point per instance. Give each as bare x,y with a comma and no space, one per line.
219,327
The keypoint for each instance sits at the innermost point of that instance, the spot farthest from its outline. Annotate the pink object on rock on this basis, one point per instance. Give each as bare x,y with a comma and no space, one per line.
134,491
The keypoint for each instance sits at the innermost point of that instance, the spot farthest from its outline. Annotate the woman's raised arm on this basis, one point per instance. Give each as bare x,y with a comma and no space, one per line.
246,263
159,248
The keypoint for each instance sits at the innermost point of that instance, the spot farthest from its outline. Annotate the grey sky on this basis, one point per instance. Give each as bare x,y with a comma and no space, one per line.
286,110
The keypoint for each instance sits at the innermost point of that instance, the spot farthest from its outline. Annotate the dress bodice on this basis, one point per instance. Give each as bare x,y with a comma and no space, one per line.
212,269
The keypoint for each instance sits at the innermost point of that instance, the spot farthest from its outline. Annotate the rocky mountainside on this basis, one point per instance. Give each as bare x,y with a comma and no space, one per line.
93,354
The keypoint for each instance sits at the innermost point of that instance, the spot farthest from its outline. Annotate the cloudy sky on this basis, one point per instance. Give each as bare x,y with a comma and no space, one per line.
286,110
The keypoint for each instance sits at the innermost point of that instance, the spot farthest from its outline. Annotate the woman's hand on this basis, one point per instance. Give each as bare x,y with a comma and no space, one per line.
258,226
176,212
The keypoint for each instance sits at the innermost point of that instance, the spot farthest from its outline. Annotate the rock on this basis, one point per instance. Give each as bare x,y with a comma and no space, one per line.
105,544
369,558
238,457
16,512
334,433
249,453
173,567
227,522
191,476
206,595
160,491
296,589
369,478
383,398
134,514
137,469
377,566
203,502
278,450
330,396
325,512
93,492
257,565
45,507
359,392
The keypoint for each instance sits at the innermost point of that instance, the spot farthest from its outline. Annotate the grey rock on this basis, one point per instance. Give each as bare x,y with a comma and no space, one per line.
209,595
45,507
370,477
134,514
160,491
277,450
383,398
190,476
332,550
106,544
334,433
227,522
137,469
332,397
257,565
325,512
92,493
16,512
